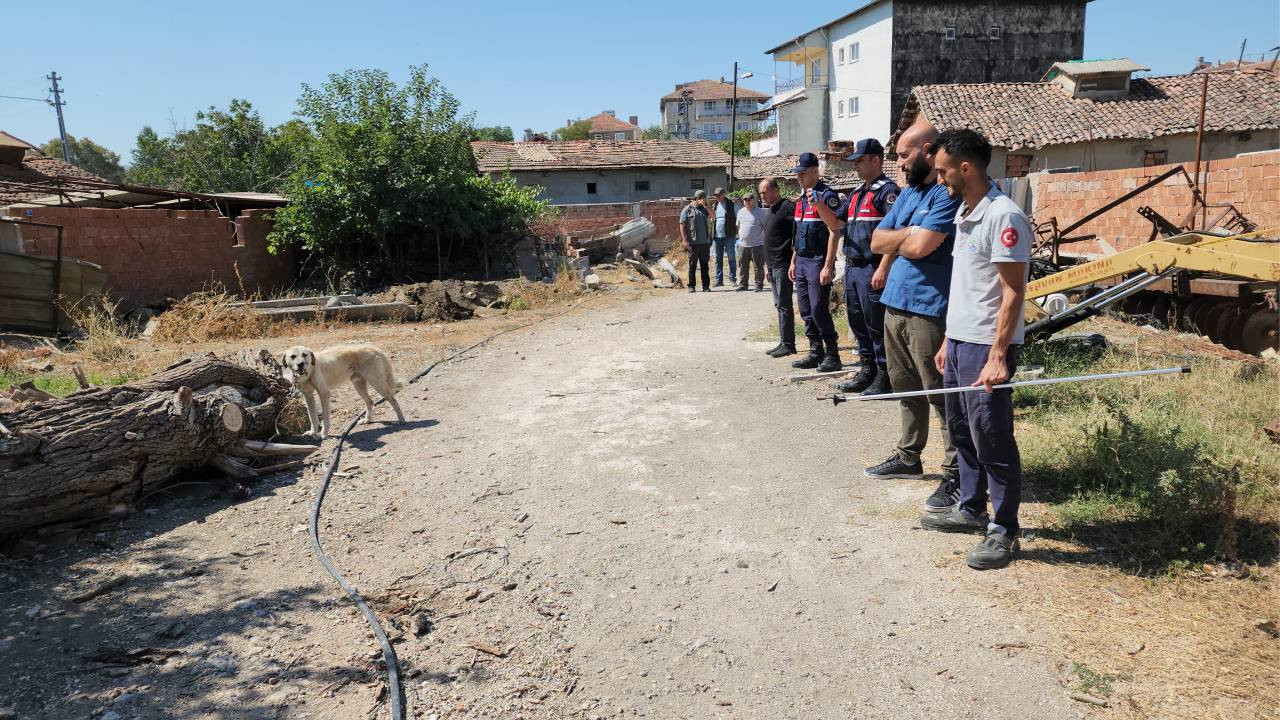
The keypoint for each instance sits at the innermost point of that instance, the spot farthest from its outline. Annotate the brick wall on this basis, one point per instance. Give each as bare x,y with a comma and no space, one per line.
150,255
664,214
1250,182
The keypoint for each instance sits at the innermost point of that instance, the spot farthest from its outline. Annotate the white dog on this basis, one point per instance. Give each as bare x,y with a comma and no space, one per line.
316,373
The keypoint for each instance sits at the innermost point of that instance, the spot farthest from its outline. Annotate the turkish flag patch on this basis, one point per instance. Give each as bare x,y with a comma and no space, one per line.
1009,237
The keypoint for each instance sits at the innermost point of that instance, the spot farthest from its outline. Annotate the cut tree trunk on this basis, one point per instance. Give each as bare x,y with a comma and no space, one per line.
85,455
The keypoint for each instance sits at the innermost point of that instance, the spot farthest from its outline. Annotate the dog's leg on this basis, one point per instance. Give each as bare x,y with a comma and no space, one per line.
362,390
324,410
312,419
389,394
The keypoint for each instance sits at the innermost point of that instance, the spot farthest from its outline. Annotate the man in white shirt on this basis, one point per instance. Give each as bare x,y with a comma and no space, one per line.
751,242
984,334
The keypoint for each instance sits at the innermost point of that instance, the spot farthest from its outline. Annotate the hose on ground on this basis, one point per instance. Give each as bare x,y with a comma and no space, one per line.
394,687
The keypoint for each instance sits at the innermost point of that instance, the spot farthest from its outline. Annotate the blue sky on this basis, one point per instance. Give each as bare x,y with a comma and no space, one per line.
527,64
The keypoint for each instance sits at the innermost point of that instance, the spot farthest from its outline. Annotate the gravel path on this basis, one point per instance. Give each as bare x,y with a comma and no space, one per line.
659,527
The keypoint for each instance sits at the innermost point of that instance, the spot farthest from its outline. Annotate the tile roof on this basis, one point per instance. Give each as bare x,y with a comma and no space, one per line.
596,154
1091,67
604,122
713,90
1034,115
759,168
40,177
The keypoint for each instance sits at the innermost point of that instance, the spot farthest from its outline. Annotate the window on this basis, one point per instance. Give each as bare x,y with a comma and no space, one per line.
642,186
1155,157
591,188
853,106
840,109
994,32
698,184
854,52
817,71
840,57
708,104
619,136
950,32
1017,165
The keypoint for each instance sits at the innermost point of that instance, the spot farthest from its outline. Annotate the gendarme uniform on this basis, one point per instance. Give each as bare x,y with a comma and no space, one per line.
813,297
862,212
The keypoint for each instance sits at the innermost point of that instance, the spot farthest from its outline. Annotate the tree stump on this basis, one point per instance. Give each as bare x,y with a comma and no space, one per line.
84,455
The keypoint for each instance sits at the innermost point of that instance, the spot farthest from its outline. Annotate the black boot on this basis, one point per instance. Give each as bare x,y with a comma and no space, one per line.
880,385
810,361
861,381
783,350
831,360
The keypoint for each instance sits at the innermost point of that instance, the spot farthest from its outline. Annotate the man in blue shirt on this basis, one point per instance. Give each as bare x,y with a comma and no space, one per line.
920,231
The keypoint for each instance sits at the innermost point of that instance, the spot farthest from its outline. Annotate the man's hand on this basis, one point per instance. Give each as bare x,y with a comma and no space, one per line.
827,275
995,372
879,278
940,359
686,246
791,271
810,196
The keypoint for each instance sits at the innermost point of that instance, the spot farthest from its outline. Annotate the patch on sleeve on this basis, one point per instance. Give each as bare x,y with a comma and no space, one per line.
890,198
833,201
1009,237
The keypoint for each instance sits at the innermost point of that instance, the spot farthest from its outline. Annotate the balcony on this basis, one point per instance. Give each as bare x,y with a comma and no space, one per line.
782,86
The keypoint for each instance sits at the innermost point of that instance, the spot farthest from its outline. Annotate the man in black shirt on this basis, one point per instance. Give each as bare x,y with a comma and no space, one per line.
778,246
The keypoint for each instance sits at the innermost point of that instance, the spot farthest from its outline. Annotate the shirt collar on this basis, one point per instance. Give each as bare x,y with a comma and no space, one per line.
980,209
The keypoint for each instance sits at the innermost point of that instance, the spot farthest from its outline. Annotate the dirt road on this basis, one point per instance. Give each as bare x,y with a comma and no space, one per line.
671,531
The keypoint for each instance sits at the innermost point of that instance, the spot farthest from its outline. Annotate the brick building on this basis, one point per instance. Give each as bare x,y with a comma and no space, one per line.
607,126
1096,116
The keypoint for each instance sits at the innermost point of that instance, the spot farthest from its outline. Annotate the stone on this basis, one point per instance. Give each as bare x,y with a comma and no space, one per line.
592,281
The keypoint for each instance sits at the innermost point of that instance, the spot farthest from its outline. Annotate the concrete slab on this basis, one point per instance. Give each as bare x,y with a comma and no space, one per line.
373,311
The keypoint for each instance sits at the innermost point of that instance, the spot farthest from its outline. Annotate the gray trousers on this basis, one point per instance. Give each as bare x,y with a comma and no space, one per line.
748,256
910,342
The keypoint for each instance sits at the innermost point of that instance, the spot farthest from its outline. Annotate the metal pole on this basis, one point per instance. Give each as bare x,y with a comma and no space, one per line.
57,282
57,105
1204,95
838,398
733,127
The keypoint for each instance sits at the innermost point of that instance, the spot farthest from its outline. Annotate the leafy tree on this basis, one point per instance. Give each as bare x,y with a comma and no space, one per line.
495,133
741,143
579,130
88,156
388,188
228,150
656,132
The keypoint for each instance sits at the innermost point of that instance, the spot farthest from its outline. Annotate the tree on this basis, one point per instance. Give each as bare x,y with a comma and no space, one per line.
88,156
388,186
657,132
228,150
579,130
495,133
741,143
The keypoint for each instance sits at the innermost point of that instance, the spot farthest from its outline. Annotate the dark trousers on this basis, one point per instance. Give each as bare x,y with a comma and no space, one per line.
981,426
700,255
814,299
782,289
866,314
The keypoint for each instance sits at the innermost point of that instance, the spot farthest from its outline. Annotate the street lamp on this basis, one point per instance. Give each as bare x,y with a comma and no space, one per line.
733,121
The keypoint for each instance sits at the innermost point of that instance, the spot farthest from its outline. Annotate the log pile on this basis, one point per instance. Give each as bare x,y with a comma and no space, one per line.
87,454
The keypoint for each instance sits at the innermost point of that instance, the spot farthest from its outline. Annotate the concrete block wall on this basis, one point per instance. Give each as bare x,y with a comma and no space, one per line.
1250,182
151,255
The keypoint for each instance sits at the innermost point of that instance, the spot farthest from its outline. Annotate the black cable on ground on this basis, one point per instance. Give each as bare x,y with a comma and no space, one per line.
395,689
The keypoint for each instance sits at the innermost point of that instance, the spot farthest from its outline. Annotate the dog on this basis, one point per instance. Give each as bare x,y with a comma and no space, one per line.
316,373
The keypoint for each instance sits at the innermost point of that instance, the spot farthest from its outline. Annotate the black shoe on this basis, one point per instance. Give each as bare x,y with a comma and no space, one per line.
783,351
810,361
759,288
894,468
946,496
955,519
740,288
705,288
860,381
993,551
693,289
880,385
830,362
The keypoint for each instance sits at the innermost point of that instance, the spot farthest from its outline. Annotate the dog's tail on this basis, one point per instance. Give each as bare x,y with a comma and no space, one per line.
392,380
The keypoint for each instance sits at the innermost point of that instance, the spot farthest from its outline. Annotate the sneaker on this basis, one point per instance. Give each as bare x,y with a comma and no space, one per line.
706,288
759,288
810,361
693,289
993,551
861,381
783,351
955,519
894,469
740,288
879,385
774,349
946,496
720,284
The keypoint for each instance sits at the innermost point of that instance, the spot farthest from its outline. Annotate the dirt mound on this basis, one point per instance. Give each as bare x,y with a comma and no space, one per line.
447,300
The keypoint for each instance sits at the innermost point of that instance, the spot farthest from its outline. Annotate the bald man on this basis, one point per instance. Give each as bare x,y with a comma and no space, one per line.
920,231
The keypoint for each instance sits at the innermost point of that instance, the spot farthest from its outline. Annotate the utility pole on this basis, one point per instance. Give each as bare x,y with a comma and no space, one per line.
733,127
57,105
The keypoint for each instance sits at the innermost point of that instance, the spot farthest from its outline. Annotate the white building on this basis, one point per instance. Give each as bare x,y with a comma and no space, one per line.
703,110
849,79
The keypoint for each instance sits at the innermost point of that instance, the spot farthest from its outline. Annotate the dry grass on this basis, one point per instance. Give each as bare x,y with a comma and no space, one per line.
106,334
212,315
527,294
